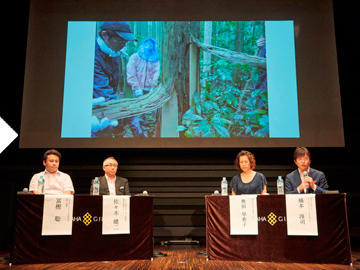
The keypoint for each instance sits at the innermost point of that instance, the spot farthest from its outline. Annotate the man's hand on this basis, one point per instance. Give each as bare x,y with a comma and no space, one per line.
303,186
97,101
310,182
97,125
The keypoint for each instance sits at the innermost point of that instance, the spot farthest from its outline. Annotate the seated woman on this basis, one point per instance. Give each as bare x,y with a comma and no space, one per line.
248,181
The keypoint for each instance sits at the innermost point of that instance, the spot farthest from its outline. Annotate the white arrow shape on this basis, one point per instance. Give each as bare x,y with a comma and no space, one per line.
7,135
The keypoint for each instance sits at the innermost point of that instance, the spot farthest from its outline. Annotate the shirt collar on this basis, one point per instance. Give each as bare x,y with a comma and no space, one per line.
47,172
109,179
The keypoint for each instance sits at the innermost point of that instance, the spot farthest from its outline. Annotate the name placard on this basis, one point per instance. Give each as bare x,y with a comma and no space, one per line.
301,214
116,214
243,215
57,215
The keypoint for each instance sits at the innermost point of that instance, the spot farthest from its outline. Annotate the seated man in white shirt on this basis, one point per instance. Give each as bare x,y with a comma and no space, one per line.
56,182
110,184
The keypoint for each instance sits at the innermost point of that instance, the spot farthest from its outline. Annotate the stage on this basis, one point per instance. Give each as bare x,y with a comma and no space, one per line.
179,257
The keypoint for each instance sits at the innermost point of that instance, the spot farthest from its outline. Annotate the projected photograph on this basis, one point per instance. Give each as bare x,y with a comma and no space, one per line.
198,79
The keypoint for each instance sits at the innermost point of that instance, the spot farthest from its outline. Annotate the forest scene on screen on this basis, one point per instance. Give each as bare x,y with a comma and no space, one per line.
233,98
212,73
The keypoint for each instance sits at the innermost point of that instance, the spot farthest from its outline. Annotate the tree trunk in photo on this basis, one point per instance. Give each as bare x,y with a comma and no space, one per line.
207,40
239,40
206,55
175,61
239,47
158,35
150,29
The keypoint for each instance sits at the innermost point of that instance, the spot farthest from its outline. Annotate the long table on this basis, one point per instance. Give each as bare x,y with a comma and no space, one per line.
331,246
86,242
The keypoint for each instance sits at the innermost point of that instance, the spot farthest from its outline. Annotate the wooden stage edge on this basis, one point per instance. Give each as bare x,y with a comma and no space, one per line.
178,257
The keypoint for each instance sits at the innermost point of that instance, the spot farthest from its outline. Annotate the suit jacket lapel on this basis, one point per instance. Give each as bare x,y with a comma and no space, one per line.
310,172
104,183
297,179
117,185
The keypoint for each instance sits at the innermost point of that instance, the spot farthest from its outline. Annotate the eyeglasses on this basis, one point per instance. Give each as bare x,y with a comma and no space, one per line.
301,159
111,165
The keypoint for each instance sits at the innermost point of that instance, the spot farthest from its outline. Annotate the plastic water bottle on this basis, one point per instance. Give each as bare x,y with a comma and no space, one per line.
41,185
224,186
96,186
280,185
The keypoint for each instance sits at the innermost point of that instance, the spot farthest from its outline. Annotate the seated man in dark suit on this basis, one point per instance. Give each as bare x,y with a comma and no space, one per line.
305,179
110,184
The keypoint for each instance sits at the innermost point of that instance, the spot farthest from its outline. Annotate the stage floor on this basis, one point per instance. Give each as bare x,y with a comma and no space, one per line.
178,257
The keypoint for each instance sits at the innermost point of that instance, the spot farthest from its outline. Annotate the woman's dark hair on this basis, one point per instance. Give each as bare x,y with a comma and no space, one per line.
250,156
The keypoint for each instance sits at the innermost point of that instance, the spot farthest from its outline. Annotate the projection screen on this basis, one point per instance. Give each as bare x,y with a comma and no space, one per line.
216,74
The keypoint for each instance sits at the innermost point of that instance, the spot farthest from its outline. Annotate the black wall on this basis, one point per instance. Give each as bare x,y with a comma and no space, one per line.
18,165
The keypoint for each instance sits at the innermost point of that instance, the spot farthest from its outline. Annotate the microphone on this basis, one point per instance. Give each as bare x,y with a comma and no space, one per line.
305,175
25,190
216,193
144,193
